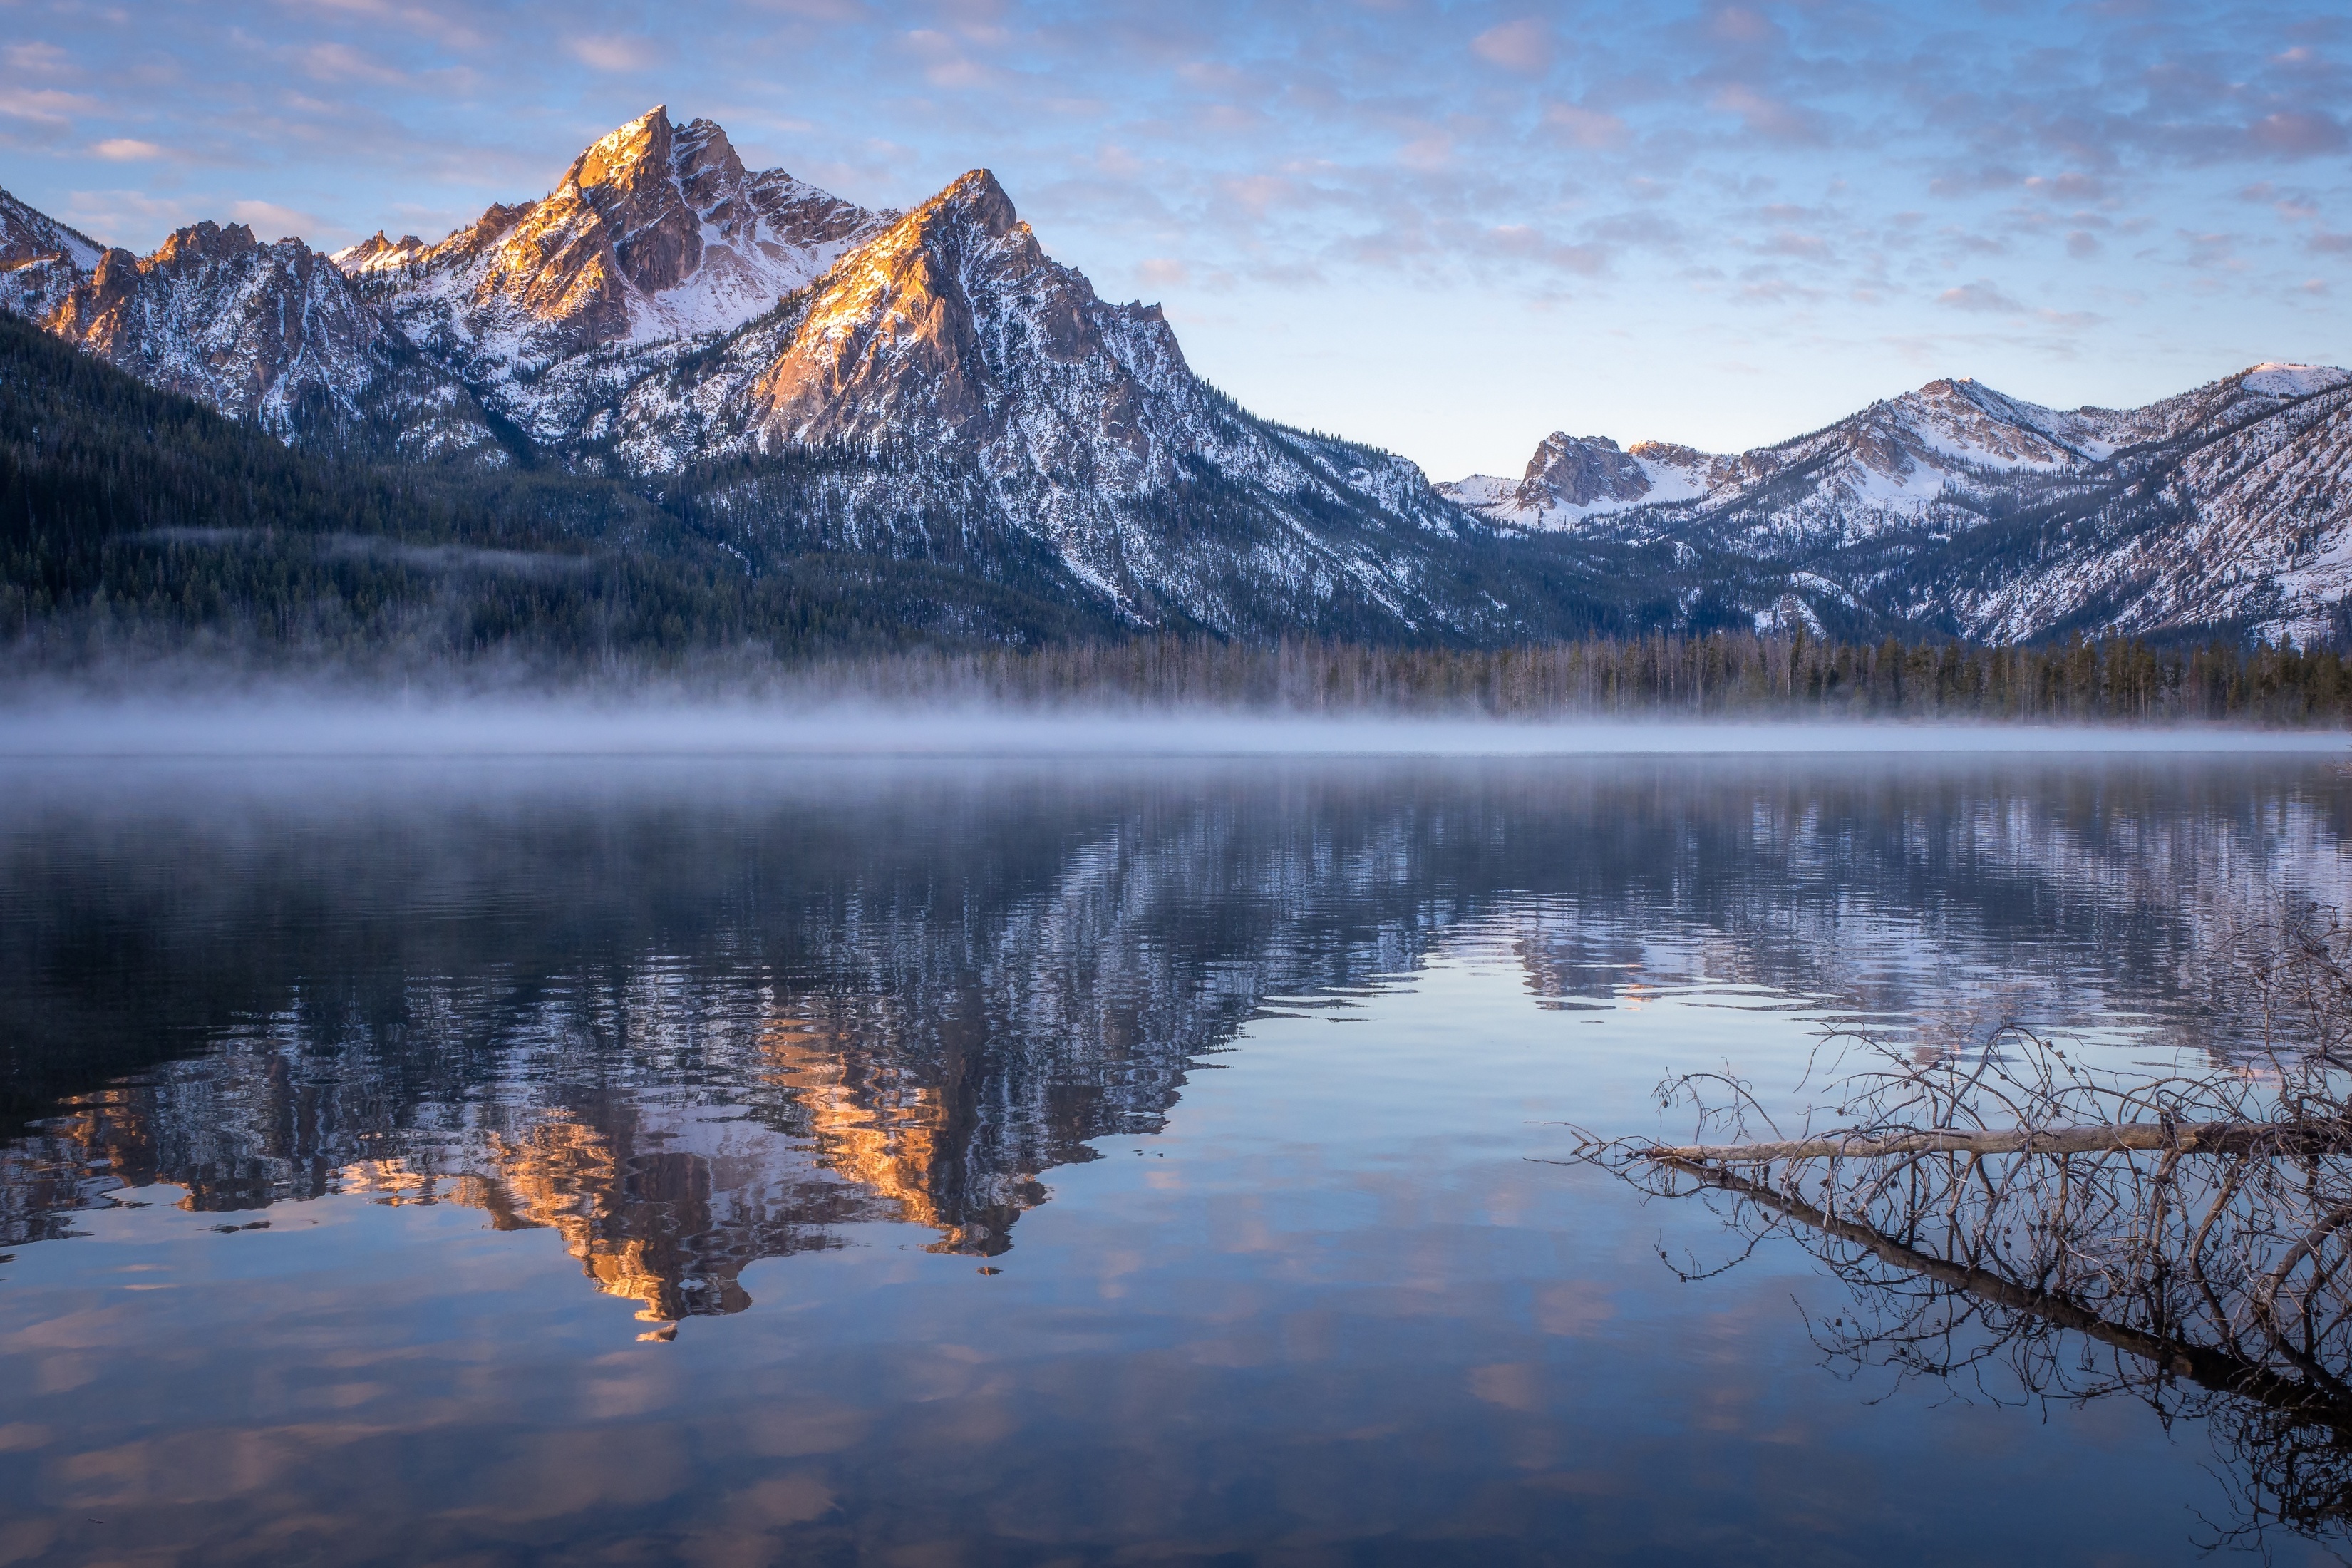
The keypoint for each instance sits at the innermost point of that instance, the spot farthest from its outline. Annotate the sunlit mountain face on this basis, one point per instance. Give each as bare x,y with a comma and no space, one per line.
693,1019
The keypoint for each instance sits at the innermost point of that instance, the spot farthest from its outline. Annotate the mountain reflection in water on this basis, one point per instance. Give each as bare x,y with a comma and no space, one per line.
1004,1164
691,1020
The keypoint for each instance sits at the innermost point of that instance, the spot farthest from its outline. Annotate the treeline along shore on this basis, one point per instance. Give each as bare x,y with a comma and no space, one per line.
1725,674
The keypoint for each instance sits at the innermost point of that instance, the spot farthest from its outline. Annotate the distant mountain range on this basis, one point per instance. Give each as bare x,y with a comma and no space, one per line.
1959,508
928,385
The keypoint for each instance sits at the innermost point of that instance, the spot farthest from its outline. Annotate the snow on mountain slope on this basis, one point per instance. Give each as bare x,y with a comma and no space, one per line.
2249,522
1480,492
27,235
2250,393
1895,463
2225,507
377,253
41,259
216,314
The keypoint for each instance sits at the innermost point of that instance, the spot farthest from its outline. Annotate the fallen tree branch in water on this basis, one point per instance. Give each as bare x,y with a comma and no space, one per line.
2297,1140
2223,1370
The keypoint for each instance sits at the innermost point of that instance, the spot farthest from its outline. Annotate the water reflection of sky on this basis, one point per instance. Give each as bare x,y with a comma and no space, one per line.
630,1160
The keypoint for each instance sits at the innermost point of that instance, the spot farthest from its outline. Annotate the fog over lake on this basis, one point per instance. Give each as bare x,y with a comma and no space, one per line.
1082,1143
287,721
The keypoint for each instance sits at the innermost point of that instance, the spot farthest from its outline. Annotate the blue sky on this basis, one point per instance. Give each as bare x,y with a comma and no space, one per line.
1446,228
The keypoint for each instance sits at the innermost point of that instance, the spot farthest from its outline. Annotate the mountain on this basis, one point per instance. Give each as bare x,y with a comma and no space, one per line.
797,374
1958,510
784,377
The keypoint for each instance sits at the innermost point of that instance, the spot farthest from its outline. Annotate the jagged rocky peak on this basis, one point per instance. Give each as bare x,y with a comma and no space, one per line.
1578,470
656,231
1572,478
251,329
627,181
931,327
207,242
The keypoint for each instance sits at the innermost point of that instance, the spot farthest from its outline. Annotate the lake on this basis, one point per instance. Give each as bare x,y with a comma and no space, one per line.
966,1161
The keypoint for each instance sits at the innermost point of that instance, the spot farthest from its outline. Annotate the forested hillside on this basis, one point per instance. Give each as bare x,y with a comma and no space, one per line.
134,522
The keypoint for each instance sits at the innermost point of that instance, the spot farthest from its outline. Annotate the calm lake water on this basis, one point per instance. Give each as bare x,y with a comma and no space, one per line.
961,1162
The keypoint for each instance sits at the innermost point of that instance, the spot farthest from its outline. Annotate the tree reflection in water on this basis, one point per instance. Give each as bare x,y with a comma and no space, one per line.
2023,1228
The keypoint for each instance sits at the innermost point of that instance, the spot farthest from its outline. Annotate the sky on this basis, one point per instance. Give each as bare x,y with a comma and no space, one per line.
1444,229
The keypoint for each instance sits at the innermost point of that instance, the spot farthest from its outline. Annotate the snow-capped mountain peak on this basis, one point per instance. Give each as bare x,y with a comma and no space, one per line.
656,231
892,341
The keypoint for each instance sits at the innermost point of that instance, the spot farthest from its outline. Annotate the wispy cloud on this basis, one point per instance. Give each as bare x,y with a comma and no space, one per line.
614,52
271,221
1588,128
1525,46
33,58
1983,295
1767,181
45,106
